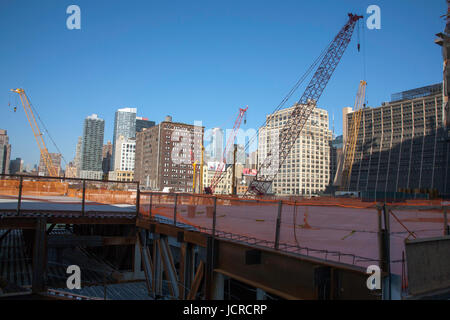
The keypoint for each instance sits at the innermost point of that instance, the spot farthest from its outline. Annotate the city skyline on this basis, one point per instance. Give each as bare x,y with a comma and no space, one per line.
261,84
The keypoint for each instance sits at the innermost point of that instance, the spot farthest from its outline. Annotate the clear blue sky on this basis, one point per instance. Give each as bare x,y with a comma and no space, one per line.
198,60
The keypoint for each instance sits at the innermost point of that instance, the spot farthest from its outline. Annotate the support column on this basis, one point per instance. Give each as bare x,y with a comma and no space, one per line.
218,286
40,256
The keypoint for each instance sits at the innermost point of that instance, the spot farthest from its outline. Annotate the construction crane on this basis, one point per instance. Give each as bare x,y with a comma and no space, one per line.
269,167
36,131
197,170
350,144
219,173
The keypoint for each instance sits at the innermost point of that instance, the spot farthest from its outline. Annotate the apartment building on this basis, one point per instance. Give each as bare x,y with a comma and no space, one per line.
91,148
164,155
5,152
306,169
403,144
124,160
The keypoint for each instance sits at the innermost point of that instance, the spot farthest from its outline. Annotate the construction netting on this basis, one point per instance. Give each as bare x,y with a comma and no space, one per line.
342,230
59,194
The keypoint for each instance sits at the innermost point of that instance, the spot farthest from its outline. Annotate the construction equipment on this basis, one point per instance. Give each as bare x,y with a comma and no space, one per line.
53,172
220,168
197,170
273,161
350,144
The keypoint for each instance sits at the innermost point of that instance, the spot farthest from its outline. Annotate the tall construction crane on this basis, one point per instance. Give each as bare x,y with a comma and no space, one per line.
218,175
303,109
350,144
36,131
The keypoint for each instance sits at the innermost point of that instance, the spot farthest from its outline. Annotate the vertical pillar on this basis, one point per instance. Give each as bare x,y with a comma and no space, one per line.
218,286
19,201
175,210
277,231
214,218
151,203
138,200
387,248
40,257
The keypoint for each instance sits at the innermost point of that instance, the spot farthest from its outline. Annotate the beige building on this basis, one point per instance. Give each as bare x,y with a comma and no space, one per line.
226,182
306,169
121,176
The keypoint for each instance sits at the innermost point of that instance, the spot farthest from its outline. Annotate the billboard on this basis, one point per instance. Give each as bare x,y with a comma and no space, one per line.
249,172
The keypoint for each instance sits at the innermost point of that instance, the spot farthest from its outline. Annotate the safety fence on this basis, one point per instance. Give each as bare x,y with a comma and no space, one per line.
344,230
21,193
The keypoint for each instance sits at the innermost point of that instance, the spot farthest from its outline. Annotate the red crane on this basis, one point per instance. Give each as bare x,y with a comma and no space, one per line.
270,166
218,175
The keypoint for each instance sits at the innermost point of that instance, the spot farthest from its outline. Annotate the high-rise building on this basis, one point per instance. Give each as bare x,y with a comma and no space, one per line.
56,163
124,159
124,125
91,150
214,144
143,123
402,144
306,169
71,170
106,157
336,161
5,152
164,153
16,166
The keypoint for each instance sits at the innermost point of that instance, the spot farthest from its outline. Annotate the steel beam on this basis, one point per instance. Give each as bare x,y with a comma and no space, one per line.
40,257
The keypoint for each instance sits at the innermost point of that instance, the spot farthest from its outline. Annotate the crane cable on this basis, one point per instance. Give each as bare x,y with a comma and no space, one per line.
289,94
48,133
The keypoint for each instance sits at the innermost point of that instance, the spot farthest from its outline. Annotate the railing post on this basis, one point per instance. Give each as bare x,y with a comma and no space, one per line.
277,231
387,244
150,209
138,200
84,197
175,210
214,218
19,200
446,226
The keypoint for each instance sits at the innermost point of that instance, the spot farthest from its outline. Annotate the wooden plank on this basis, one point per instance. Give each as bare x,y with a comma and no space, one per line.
148,268
197,281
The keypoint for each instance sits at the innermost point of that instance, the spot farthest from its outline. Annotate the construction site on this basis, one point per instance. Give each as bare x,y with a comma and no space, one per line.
133,243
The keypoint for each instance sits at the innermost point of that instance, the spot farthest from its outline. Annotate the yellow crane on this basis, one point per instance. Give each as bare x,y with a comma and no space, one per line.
350,145
196,170
36,131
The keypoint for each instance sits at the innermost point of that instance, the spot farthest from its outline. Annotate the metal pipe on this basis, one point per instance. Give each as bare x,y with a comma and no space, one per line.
214,218
83,200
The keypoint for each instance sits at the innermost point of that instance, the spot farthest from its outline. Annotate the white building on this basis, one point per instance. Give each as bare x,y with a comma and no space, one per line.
306,169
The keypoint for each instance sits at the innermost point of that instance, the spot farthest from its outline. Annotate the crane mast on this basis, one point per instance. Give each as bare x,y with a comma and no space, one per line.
269,167
350,144
36,132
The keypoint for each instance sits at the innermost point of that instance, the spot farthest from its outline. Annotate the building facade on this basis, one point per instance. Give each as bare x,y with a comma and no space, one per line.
91,149
143,123
16,166
402,144
164,155
106,157
306,170
124,125
5,152
56,163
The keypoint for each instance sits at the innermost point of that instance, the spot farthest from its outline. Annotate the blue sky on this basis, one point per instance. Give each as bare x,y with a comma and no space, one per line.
198,60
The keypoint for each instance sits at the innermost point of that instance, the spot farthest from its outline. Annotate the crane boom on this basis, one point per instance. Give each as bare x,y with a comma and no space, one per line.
220,168
303,109
36,132
350,144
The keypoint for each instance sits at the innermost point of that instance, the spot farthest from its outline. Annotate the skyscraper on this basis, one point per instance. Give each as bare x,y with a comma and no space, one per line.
124,125
5,152
143,123
106,157
215,147
91,149
77,160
